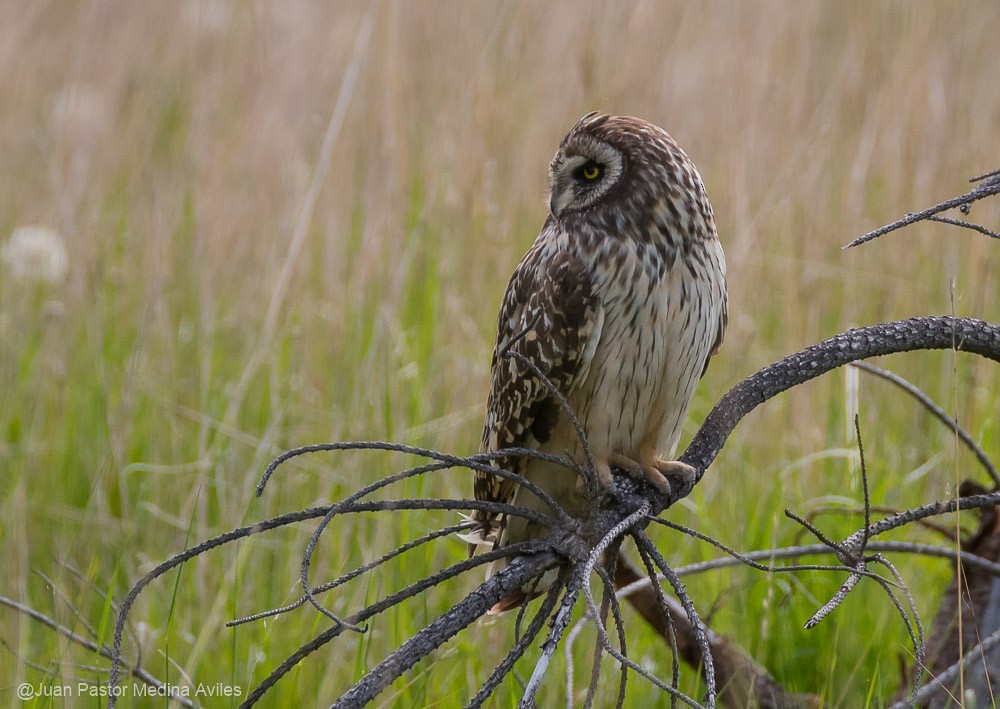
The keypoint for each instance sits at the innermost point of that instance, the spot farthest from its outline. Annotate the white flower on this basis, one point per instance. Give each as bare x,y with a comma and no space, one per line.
35,253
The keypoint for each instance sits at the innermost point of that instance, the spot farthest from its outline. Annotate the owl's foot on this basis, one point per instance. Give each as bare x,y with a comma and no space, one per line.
604,477
655,471
672,468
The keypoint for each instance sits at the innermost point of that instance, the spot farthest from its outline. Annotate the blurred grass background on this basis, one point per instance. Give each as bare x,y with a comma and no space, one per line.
212,316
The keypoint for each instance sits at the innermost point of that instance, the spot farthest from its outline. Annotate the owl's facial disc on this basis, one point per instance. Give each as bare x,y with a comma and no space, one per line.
581,173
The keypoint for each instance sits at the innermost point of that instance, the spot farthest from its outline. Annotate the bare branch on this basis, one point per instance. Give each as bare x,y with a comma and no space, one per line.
966,225
918,333
750,558
926,333
990,185
818,549
281,521
834,602
518,571
507,664
610,542
919,645
559,624
354,573
945,678
103,650
610,598
647,547
474,462
938,412
384,675
65,600
742,681
947,532
930,510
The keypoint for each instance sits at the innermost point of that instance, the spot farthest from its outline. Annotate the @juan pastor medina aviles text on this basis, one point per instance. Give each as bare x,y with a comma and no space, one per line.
27,690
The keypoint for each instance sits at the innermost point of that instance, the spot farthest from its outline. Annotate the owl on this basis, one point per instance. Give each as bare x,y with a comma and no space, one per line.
620,303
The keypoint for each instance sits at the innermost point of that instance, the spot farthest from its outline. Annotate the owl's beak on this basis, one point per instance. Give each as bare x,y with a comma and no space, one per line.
558,201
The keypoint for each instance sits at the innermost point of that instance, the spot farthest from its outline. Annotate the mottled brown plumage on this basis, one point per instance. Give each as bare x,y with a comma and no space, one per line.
620,302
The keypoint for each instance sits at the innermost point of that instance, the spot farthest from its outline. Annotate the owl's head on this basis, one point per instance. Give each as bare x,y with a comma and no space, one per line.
627,175
586,166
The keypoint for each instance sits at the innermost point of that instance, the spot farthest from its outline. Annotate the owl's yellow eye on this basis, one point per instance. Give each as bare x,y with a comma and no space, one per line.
591,171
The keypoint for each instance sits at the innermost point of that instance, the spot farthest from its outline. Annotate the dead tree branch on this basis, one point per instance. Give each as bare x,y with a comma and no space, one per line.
926,333
939,413
101,649
989,184
583,547
566,546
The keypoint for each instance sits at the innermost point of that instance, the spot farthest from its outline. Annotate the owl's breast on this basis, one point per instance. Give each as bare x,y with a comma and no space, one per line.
659,326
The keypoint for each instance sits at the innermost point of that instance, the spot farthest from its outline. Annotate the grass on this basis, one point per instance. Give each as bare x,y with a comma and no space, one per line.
173,146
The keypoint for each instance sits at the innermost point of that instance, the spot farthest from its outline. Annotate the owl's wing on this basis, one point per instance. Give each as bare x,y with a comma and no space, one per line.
720,334
551,317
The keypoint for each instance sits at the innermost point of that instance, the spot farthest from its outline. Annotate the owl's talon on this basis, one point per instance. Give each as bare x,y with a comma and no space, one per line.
656,472
604,478
674,468
657,479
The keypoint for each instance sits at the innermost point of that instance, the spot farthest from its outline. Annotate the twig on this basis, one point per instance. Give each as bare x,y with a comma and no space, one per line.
518,571
601,623
966,225
819,549
994,175
864,487
474,462
107,598
590,470
102,650
559,623
376,678
846,556
814,512
647,547
50,670
609,543
507,664
988,187
951,673
610,598
926,333
833,603
523,610
281,521
65,599
929,510
668,621
750,558
329,586
919,645
401,504
938,412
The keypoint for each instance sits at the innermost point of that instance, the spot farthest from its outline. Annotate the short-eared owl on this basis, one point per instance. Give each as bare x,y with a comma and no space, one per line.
620,302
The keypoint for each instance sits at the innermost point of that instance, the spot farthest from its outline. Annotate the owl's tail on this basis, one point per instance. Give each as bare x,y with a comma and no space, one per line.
486,533
492,538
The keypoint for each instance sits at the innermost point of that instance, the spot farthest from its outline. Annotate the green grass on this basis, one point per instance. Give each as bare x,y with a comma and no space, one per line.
173,146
